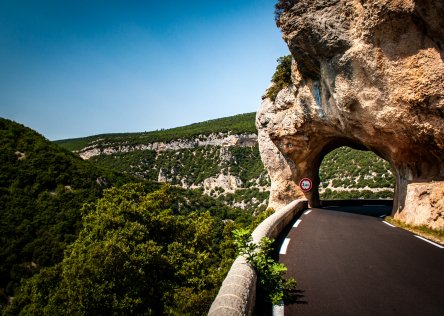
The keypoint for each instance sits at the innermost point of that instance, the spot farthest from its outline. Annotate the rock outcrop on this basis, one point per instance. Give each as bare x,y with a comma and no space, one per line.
369,75
99,147
281,170
228,182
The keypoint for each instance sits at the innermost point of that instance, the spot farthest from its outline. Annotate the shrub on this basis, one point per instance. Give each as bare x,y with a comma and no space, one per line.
134,256
271,283
281,77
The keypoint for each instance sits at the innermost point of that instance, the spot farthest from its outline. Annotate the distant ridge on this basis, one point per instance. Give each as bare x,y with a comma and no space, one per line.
237,124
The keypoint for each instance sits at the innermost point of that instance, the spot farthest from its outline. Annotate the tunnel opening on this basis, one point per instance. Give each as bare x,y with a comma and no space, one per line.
347,173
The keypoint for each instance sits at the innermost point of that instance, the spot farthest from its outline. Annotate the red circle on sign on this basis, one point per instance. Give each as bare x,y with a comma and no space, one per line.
305,184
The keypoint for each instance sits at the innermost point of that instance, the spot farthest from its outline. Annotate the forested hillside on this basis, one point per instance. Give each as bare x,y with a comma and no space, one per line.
42,188
219,156
242,123
226,164
48,196
346,173
138,252
63,217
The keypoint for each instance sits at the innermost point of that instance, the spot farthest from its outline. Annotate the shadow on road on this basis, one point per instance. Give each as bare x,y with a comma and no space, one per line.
295,297
374,208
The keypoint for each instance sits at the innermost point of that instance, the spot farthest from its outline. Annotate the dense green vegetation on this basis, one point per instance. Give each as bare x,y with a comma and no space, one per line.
355,174
192,166
281,78
139,163
252,197
247,165
42,188
272,284
138,247
243,123
329,194
132,224
136,254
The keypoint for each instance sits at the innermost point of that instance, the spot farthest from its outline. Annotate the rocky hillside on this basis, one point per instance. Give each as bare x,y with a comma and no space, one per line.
221,157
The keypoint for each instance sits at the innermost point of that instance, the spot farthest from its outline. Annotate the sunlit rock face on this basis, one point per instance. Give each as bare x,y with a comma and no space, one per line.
369,75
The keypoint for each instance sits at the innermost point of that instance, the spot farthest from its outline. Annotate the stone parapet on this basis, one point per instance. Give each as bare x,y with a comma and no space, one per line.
237,294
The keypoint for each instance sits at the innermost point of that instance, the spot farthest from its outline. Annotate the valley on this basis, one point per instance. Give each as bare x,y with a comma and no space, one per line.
48,191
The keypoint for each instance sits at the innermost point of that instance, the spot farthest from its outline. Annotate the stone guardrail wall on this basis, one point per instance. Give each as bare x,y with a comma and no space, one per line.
237,295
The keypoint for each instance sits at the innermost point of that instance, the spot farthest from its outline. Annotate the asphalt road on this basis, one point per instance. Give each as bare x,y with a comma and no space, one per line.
348,262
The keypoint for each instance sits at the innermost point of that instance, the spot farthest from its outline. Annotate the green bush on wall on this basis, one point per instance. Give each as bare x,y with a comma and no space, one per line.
281,78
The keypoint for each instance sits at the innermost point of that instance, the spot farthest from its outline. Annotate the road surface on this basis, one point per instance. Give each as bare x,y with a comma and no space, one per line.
347,261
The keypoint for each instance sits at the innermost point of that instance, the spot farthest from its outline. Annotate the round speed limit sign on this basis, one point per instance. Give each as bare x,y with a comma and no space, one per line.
305,184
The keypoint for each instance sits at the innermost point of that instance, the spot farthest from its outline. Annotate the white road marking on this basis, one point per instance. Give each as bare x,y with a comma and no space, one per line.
297,223
388,224
382,216
278,310
284,246
430,242
307,212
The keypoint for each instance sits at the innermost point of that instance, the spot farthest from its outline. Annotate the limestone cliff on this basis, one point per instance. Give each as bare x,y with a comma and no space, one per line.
101,147
369,75
223,165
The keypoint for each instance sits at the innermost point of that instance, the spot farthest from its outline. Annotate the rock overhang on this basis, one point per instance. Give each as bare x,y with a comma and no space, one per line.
368,75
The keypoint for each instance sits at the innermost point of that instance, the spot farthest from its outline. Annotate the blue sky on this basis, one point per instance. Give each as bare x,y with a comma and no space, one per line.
83,67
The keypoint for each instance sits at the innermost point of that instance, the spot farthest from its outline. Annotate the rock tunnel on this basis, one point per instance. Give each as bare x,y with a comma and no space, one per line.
368,75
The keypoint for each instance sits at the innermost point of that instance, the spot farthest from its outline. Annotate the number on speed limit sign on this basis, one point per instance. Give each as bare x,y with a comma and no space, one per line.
305,184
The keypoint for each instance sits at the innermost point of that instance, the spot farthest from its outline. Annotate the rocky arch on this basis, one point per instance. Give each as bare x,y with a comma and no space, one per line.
369,75
310,169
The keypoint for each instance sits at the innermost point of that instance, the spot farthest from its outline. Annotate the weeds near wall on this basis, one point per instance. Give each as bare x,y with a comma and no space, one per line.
436,235
272,286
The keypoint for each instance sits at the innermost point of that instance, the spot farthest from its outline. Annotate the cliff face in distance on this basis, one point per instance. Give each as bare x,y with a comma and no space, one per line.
223,165
221,158
368,75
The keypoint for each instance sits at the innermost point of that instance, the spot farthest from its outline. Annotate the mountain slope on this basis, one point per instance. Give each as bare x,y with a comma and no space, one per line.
347,173
222,158
42,189
219,156
242,123
45,191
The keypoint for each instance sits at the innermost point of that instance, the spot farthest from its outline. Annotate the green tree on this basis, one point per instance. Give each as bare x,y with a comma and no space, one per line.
281,78
133,256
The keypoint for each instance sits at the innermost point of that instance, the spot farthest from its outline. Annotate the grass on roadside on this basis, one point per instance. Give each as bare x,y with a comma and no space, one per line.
436,235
